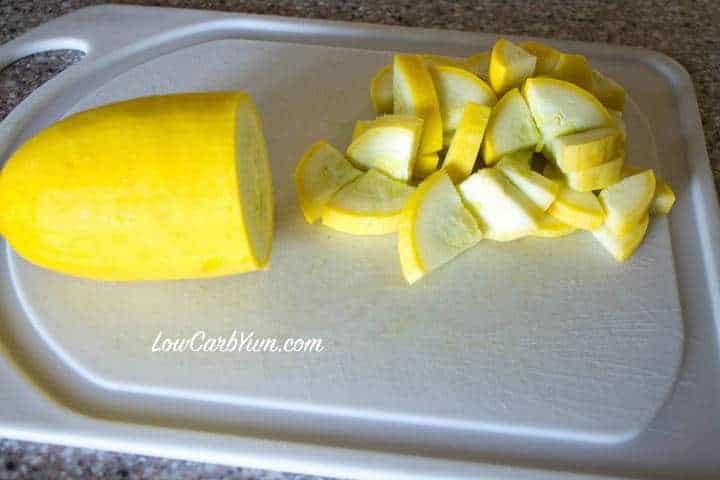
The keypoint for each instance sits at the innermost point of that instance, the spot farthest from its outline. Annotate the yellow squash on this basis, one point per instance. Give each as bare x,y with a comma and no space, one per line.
434,227
575,69
414,94
425,165
369,205
462,154
547,57
381,90
154,188
510,65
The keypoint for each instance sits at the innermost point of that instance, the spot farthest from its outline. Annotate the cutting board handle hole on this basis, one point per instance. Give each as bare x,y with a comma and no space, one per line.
21,77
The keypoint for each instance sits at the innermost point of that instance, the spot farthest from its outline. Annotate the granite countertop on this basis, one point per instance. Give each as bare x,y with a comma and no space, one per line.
688,31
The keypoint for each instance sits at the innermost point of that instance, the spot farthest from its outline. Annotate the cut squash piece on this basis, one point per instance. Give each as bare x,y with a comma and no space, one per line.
521,157
551,227
369,205
664,198
574,69
361,126
425,165
391,148
409,121
321,172
455,88
414,94
561,108
579,151
578,209
622,246
510,65
154,188
503,211
434,228
462,154
597,177
541,190
381,90
594,178
547,57
626,202
510,129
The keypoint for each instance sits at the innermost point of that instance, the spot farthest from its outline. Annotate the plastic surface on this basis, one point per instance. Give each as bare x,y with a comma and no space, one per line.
513,360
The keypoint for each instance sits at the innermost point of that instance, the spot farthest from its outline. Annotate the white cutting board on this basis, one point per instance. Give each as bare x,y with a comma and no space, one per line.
523,345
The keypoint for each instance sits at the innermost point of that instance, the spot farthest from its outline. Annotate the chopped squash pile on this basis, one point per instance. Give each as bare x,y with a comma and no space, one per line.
522,140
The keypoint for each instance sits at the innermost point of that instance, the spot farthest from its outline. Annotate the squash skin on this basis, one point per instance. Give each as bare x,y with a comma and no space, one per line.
145,189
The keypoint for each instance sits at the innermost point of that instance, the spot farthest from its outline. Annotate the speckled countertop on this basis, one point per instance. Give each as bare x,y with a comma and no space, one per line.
688,31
